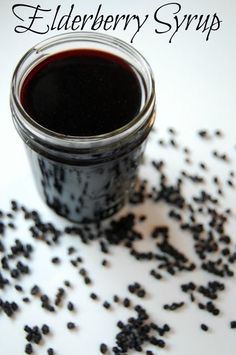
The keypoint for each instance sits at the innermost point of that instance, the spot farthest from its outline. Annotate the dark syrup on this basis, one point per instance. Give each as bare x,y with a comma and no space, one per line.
82,92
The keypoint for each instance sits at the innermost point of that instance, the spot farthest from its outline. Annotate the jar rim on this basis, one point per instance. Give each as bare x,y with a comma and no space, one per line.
24,121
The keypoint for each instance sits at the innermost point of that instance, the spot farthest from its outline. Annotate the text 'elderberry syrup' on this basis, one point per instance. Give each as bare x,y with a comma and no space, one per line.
82,92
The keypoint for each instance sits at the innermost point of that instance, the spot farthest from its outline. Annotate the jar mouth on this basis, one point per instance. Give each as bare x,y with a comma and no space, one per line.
24,121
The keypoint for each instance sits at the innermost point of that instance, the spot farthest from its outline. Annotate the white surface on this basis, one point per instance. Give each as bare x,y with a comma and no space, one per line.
195,89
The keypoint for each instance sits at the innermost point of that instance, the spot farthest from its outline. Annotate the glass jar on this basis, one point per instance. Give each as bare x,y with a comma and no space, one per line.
85,178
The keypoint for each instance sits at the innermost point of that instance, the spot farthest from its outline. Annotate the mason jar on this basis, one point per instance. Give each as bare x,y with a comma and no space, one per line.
84,178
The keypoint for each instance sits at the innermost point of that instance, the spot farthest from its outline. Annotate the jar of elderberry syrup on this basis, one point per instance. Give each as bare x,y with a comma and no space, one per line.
84,104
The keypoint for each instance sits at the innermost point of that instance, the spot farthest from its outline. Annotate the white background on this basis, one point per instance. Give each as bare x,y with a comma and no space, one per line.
195,84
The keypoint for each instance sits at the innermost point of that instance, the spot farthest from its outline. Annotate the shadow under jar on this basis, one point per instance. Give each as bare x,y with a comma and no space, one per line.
84,104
